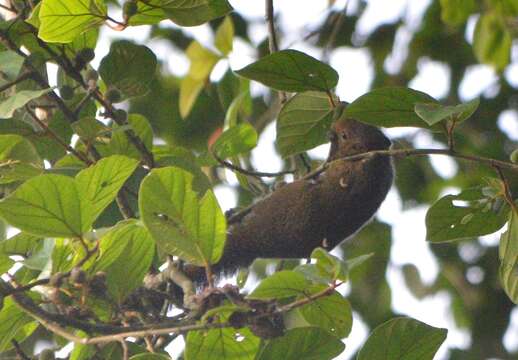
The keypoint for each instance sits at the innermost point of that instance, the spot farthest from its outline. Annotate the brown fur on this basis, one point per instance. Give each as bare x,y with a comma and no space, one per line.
307,213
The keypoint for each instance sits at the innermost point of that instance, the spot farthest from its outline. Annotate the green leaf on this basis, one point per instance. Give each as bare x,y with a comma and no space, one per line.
456,12
89,128
332,313
225,36
432,113
40,256
149,356
403,339
236,140
18,100
222,344
180,223
5,264
280,285
330,265
120,143
305,343
19,244
195,12
190,88
129,68
389,107
19,160
11,66
508,254
183,13
184,159
202,63
12,322
126,253
466,215
62,20
46,205
98,185
303,122
291,70
492,41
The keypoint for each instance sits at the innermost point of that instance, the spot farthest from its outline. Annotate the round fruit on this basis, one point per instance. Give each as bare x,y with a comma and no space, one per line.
113,95
67,92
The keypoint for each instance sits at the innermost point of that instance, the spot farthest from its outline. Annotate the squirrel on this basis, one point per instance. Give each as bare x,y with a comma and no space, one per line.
320,211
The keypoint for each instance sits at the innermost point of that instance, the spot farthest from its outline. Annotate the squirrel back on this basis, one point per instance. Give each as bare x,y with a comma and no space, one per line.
321,211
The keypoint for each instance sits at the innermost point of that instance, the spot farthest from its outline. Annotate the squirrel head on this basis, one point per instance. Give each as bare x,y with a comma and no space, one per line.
349,137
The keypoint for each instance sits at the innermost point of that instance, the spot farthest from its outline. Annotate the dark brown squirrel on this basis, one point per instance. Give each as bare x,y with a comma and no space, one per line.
320,211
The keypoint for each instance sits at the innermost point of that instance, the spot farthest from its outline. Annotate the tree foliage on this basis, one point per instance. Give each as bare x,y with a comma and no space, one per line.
108,170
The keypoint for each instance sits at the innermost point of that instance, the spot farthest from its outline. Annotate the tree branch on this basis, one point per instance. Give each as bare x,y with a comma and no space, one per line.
238,169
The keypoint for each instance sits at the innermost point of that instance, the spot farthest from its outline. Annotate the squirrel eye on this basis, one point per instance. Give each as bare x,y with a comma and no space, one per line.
343,135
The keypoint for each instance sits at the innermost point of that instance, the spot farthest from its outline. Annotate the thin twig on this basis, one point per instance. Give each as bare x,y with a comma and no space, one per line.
238,169
507,190
272,34
19,79
308,299
56,137
19,351
337,24
273,43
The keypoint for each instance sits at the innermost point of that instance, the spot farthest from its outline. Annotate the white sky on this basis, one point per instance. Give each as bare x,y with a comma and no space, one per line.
409,246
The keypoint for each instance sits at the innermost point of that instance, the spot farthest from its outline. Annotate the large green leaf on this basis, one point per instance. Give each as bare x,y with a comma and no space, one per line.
332,312
434,113
11,66
202,62
236,140
403,339
12,322
280,285
389,107
291,70
456,12
126,252
19,244
46,205
181,224
18,100
306,343
19,159
120,143
195,12
222,344
225,36
98,185
303,122
128,67
508,253
62,20
492,40
466,215
183,13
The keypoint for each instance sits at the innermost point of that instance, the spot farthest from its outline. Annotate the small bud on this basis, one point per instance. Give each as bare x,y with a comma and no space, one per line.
129,9
86,55
67,92
113,95
514,156
120,115
77,276
91,74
